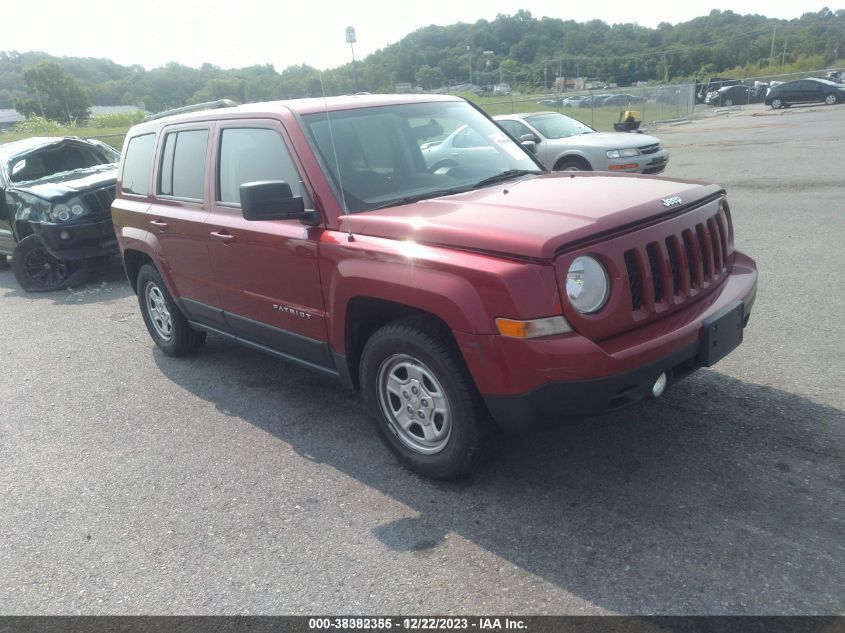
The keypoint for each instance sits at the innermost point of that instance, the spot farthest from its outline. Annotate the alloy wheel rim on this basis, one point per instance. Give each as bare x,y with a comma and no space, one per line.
414,403
158,312
44,269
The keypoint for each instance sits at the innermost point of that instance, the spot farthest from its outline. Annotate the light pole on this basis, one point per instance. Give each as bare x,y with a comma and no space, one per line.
469,56
350,39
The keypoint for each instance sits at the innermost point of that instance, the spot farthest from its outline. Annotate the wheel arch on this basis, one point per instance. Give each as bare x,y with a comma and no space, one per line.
572,156
132,262
366,314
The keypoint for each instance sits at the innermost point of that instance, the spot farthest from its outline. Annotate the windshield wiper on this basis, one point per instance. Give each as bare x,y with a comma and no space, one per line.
508,174
420,196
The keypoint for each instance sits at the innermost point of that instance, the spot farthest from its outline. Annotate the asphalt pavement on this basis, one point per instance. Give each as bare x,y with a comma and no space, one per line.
229,482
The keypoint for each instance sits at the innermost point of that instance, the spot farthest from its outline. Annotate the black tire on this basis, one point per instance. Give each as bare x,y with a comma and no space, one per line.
429,348
831,99
4,261
729,102
165,322
573,164
38,271
777,103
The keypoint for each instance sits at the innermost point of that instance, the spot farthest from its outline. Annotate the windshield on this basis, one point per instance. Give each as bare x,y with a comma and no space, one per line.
396,154
558,125
59,158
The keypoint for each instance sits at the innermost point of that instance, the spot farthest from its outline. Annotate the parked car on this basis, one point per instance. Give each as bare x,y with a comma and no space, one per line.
622,100
704,90
565,144
314,230
805,91
55,208
737,95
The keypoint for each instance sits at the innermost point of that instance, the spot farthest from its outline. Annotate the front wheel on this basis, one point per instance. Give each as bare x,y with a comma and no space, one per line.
422,399
777,103
36,270
573,164
830,99
729,102
165,322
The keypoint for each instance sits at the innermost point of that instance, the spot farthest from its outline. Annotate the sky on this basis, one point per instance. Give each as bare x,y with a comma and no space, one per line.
238,33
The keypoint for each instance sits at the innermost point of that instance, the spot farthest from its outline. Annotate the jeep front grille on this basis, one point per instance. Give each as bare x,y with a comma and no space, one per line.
680,265
99,202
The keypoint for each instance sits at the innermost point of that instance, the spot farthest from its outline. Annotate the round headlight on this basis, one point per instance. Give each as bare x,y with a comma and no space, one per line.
587,285
77,209
61,212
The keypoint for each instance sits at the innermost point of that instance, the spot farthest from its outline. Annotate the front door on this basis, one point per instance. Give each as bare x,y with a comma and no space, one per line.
266,272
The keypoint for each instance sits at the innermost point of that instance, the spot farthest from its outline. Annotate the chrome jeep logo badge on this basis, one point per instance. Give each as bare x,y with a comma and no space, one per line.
671,202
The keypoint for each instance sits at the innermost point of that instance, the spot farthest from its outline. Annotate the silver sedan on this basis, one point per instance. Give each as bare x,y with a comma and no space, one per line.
564,144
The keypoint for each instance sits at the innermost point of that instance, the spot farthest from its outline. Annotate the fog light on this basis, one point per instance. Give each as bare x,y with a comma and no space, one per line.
659,385
65,234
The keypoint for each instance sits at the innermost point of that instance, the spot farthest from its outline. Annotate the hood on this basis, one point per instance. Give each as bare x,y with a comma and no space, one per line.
606,140
532,218
70,183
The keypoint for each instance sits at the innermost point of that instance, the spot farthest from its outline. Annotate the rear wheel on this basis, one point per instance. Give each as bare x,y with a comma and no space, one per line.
165,322
422,399
36,270
4,262
830,99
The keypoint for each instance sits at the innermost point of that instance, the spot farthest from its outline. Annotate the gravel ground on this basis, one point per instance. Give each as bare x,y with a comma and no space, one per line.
229,482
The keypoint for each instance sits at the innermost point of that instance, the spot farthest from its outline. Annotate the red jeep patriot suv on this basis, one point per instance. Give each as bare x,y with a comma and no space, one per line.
451,289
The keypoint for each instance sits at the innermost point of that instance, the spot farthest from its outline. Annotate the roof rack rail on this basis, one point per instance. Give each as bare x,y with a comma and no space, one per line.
208,105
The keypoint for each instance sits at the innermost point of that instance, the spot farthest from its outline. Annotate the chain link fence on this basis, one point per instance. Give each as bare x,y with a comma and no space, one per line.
600,109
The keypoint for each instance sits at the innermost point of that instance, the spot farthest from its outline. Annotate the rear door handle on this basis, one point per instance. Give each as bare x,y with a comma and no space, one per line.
161,225
223,236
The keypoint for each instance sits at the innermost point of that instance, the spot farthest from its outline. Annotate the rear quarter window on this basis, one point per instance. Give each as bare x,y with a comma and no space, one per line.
138,165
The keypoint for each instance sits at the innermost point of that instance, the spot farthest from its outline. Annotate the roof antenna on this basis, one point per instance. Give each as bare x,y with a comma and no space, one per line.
349,237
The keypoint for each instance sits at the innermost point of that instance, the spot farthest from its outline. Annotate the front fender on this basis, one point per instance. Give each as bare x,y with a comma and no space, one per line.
467,291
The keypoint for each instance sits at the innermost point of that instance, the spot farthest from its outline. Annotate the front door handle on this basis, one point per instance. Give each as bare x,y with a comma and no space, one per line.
223,236
161,225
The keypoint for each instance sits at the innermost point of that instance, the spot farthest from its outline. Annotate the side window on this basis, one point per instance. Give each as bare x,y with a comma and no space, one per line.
250,155
138,165
515,128
183,164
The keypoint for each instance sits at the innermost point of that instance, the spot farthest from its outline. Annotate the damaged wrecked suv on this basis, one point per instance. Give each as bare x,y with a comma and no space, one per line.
452,296
55,208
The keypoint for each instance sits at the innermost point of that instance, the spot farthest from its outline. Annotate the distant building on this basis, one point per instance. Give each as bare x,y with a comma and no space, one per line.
403,86
8,118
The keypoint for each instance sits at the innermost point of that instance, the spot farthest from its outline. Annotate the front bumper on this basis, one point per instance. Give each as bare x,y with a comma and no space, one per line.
643,164
82,240
570,376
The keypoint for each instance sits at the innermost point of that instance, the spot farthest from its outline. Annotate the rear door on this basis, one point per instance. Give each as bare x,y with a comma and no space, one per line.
178,213
266,272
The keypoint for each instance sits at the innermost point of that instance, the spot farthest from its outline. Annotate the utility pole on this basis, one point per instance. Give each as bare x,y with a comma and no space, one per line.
772,54
783,59
545,77
38,96
469,56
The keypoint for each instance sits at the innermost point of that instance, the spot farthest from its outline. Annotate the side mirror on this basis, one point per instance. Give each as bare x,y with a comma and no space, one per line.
274,200
529,142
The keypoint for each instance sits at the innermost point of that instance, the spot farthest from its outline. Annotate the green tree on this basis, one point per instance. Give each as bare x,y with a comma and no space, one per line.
53,93
429,77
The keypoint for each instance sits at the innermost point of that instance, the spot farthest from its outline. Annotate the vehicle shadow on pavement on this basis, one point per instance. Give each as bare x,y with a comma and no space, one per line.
103,281
723,497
